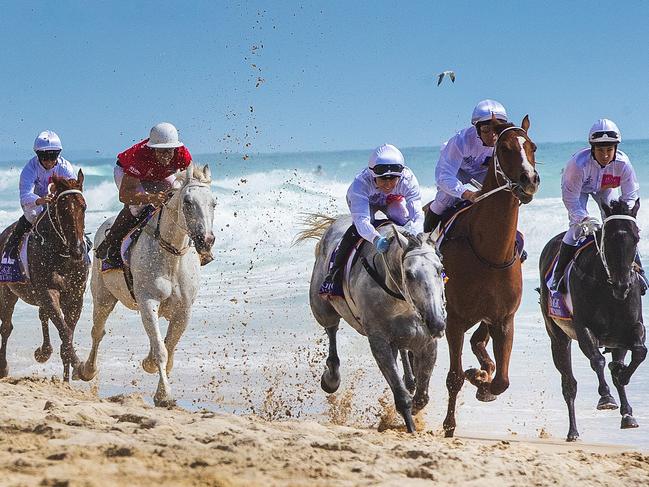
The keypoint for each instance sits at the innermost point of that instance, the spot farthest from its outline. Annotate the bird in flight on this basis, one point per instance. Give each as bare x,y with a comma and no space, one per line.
450,74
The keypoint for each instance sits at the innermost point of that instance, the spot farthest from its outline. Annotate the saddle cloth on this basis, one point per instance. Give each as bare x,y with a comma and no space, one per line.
560,305
128,241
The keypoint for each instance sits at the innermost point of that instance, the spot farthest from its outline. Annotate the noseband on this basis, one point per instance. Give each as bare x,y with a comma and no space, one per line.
601,244
508,185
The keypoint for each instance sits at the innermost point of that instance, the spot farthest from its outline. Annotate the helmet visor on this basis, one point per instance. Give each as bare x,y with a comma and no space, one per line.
387,169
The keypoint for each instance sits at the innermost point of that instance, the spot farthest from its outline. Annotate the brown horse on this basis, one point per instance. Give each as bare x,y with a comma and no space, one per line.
58,271
484,269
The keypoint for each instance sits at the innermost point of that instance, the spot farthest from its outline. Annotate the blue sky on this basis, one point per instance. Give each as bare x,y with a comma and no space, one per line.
282,76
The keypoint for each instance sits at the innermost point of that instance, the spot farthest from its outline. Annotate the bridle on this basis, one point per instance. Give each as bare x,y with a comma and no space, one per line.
56,222
178,211
600,245
508,185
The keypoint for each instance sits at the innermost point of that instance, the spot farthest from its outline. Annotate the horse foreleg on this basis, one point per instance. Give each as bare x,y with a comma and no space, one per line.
621,377
408,375
52,307
455,376
385,355
481,378
102,306
503,337
589,345
149,313
562,357
424,362
43,353
177,325
7,303
330,380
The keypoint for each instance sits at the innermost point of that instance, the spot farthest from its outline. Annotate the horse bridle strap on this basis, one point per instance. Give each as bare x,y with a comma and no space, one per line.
49,216
600,246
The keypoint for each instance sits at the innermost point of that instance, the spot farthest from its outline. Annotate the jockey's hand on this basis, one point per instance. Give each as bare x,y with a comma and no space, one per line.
157,199
382,244
470,195
590,225
43,200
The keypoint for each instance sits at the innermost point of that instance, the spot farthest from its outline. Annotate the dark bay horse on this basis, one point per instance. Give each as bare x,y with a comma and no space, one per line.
484,270
397,302
607,311
58,271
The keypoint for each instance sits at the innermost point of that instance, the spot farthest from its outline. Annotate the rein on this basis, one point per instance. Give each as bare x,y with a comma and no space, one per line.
56,219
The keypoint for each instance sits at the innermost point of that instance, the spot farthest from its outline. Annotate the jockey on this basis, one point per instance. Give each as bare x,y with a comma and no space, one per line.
386,185
596,171
464,157
34,182
144,174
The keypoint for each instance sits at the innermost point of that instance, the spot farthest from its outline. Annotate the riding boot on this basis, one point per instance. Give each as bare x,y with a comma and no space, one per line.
109,249
431,220
566,253
13,242
644,283
333,278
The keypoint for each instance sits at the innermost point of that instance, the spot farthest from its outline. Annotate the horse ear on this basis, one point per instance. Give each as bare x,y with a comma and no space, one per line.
189,172
607,209
80,179
396,235
636,207
525,124
206,172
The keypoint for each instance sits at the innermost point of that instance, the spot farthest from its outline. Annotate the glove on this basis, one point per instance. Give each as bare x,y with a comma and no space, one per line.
590,225
382,244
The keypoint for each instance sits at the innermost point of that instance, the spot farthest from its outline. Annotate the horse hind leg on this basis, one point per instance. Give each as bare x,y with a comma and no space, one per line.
43,353
330,380
408,375
386,358
481,378
103,305
7,303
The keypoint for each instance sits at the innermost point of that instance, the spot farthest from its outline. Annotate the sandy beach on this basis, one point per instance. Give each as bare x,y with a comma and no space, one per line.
56,435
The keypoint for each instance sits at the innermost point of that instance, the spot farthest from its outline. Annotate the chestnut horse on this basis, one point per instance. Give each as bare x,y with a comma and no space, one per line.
482,263
58,271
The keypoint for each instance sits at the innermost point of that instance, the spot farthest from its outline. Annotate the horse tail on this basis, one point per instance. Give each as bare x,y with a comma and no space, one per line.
315,225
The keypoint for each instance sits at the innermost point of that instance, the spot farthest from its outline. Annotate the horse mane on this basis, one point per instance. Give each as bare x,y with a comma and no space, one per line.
315,225
197,173
63,184
619,208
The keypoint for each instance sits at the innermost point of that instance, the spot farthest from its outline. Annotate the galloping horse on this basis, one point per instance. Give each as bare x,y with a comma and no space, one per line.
484,270
58,271
165,267
607,311
397,301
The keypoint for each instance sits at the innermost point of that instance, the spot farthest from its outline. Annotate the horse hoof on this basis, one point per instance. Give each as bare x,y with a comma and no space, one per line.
149,366
449,433
477,377
485,396
4,372
84,373
328,383
164,403
572,438
606,402
628,422
42,354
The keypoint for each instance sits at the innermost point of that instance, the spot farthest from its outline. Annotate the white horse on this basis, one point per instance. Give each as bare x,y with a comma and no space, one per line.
165,266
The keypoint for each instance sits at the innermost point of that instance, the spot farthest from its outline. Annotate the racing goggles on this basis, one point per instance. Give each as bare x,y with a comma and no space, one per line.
605,136
48,155
387,169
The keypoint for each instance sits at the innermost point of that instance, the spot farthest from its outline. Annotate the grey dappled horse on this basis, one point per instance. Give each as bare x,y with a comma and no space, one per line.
411,267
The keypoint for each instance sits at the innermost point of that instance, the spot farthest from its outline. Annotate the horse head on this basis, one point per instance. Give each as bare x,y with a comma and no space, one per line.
67,212
198,203
420,277
619,239
514,159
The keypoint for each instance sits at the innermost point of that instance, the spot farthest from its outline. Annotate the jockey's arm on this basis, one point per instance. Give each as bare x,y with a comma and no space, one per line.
130,193
414,206
629,187
571,186
448,166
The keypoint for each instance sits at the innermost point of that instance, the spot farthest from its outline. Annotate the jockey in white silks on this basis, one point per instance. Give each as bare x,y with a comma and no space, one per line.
596,170
464,157
386,185
34,184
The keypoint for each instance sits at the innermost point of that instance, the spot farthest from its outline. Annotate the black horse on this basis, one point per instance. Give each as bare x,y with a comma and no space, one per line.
607,311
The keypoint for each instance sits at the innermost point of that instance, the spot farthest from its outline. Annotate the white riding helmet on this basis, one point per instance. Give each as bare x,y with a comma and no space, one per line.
47,140
164,136
604,131
483,111
389,157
